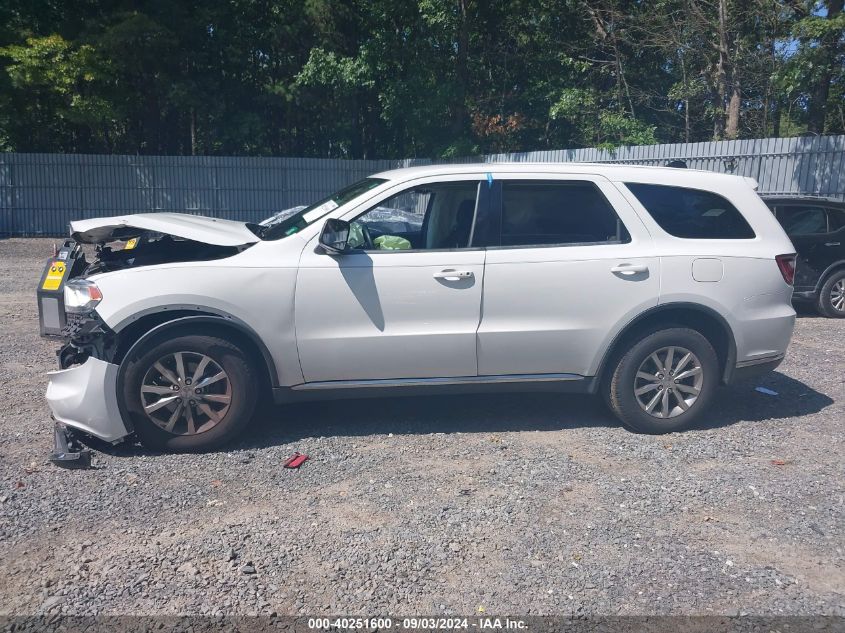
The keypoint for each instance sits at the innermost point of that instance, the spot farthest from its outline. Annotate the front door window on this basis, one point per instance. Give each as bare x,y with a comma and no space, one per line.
428,217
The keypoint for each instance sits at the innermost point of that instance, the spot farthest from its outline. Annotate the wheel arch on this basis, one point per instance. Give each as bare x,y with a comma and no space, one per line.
701,318
830,270
142,329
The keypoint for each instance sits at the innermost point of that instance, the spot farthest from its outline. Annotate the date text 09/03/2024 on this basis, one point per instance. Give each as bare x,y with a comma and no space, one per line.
426,623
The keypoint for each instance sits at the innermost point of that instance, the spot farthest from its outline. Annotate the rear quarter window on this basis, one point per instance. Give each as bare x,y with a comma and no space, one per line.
692,213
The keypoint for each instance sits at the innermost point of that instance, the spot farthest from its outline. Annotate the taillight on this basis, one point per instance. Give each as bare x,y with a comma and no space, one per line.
786,263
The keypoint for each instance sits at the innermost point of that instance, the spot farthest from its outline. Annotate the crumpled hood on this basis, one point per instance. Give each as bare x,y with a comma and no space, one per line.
190,227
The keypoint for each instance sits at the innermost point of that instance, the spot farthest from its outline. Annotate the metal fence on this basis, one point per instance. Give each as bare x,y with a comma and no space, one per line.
803,165
41,193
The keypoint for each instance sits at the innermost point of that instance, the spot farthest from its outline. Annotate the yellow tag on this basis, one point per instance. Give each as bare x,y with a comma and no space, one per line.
54,276
130,244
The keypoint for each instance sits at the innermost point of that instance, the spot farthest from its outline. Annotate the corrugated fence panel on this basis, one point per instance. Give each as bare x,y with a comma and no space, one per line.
805,165
41,193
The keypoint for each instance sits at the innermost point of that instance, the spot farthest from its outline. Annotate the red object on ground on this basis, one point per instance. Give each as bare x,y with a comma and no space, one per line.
296,460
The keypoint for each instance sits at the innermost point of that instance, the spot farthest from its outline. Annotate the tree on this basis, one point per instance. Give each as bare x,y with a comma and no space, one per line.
819,63
65,92
398,78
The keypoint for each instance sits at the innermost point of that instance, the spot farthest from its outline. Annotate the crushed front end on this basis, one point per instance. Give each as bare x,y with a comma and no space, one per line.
82,394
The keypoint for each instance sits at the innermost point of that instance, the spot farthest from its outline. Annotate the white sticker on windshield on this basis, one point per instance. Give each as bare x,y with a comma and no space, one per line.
317,212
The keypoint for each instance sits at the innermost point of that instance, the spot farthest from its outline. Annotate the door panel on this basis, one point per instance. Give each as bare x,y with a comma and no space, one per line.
810,260
807,227
383,314
370,315
550,309
832,249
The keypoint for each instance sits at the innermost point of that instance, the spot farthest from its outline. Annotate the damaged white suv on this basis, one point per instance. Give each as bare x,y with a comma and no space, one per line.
648,285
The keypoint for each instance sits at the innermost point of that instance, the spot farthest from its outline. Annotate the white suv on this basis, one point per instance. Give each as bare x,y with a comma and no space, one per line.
648,285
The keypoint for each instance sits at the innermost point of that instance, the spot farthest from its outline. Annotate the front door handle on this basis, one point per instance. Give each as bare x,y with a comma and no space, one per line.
629,269
832,243
453,275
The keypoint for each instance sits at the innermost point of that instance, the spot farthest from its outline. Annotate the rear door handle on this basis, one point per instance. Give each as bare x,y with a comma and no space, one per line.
453,275
629,269
832,243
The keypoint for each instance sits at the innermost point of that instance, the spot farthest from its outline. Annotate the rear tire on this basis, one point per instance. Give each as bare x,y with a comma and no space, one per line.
665,382
831,300
189,393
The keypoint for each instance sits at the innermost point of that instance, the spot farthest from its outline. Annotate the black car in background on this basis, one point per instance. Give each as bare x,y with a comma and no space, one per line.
816,227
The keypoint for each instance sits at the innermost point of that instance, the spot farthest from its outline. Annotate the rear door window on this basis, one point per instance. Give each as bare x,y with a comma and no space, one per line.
802,220
692,213
543,213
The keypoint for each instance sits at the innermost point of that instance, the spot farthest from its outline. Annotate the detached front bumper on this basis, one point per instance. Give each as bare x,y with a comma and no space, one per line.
84,398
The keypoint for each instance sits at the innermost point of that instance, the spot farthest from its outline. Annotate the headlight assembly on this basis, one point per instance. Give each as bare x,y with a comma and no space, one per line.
81,296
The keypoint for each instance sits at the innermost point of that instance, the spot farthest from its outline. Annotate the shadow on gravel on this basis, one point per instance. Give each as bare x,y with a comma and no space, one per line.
742,403
806,310
410,415
513,412
116,450
492,413
435,414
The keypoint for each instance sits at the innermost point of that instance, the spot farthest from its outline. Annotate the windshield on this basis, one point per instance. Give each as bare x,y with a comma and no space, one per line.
292,221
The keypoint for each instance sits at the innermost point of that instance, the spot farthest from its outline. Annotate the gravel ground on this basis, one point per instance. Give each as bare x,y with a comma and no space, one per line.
521,504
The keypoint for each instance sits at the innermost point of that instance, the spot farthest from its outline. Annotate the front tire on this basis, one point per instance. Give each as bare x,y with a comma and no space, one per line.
665,382
189,393
831,301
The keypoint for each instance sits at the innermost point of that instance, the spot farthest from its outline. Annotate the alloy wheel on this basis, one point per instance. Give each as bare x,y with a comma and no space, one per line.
837,295
186,393
668,382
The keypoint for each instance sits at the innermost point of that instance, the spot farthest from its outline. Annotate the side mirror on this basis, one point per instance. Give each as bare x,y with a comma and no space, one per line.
335,236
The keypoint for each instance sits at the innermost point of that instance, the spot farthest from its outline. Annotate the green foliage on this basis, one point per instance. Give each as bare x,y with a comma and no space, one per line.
816,70
63,83
618,129
326,69
815,27
379,78
600,126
